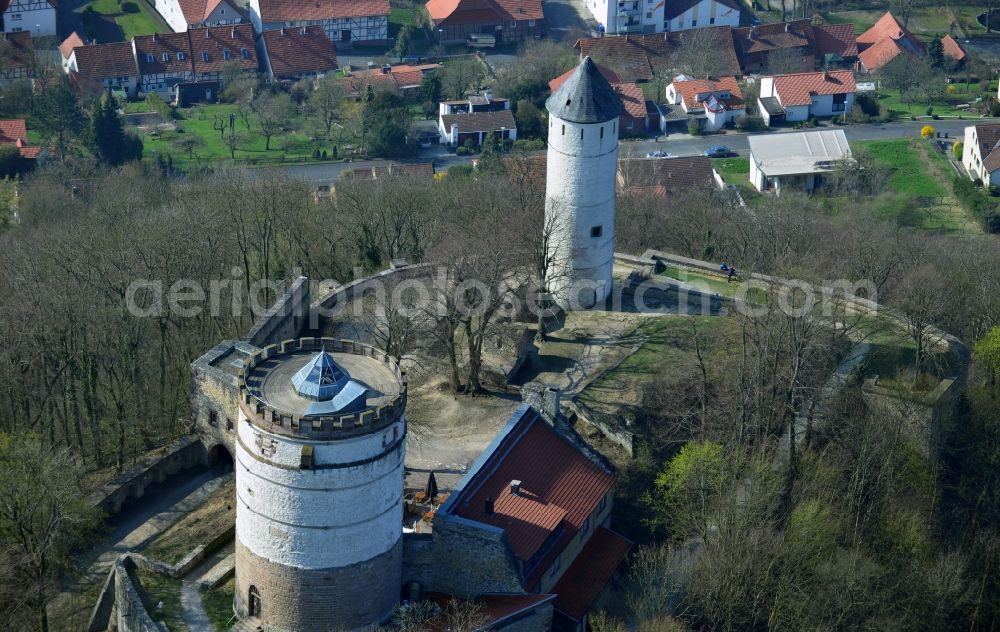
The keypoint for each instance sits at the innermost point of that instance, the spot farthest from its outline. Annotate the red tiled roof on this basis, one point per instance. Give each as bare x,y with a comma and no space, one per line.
666,176
68,44
835,39
197,11
480,122
20,50
799,88
691,88
297,10
952,48
11,130
887,26
880,54
632,98
103,61
149,51
768,37
585,579
638,57
216,41
606,72
556,474
457,12
988,138
398,78
299,50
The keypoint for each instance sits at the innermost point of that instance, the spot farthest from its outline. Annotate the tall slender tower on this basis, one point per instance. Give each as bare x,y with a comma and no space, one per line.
580,187
319,482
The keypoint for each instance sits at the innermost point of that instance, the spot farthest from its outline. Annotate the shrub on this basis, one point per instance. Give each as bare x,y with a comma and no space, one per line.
529,145
157,104
867,103
463,151
927,131
899,208
749,123
982,207
460,171
952,89
994,108
956,150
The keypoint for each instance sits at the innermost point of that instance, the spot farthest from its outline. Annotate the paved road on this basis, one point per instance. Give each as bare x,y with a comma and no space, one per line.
676,144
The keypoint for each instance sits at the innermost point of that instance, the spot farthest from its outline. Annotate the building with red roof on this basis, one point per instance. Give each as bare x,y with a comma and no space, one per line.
17,57
886,40
532,516
94,68
506,20
14,133
182,15
635,119
953,49
981,152
344,22
294,53
714,103
402,79
37,17
639,58
799,96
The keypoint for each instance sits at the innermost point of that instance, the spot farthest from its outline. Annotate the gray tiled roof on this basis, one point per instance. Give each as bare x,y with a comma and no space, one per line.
586,97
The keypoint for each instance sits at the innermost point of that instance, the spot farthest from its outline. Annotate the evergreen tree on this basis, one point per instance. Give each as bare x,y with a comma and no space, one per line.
59,114
491,158
935,53
107,134
430,88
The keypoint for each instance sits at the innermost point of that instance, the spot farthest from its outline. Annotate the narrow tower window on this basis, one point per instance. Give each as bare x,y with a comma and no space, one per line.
563,130
581,132
602,131
596,231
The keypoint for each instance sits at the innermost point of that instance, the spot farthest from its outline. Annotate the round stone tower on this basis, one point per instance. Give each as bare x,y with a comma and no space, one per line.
580,187
319,482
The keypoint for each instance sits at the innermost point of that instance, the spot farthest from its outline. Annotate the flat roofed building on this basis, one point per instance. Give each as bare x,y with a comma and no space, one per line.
796,160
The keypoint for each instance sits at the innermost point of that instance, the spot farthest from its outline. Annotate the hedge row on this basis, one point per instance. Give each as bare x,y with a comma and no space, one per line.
982,206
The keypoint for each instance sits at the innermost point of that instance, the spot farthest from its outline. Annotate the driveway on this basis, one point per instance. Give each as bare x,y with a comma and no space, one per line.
568,20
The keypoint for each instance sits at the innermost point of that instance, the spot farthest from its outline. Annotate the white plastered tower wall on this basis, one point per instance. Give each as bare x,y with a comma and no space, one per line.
580,188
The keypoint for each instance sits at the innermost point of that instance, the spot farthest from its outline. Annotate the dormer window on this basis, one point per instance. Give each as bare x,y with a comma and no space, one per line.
165,57
225,54
245,53
180,56
204,55
150,58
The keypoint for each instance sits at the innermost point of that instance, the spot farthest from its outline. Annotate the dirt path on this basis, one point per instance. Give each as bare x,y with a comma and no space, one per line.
193,610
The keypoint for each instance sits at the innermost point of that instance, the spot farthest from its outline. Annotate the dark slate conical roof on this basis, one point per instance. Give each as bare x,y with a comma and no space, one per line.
586,97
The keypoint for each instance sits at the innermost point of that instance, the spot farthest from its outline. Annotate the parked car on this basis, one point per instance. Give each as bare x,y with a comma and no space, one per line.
658,154
720,151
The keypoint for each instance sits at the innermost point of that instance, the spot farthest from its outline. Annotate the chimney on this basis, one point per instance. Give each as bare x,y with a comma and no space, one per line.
282,30
488,509
303,30
788,27
552,400
515,487
208,33
232,34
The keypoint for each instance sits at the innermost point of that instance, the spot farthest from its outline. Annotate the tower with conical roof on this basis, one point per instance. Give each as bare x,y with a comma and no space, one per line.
580,187
319,479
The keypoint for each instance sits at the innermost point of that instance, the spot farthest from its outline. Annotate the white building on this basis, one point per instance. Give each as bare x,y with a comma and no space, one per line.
795,160
580,201
798,96
980,153
319,455
655,16
344,21
715,103
35,16
184,14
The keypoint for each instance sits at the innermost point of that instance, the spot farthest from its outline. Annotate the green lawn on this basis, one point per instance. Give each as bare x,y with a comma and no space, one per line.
946,106
712,283
156,588
733,170
909,171
134,17
289,146
926,22
218,605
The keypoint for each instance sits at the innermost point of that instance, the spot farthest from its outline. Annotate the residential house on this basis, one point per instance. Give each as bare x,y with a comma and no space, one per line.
213,49
535,509
655,16
714,103
459,123
799,96
164,62
290,54
795,161
506,20
792,40
17,57
95,68
981,152
182,15
886,40
403,79
13,132
66,48
668,177
641,58
953,50
835,45
37,17
345,22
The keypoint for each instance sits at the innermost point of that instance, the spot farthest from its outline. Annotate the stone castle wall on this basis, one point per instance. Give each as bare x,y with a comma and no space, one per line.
285,319
470,560
334,599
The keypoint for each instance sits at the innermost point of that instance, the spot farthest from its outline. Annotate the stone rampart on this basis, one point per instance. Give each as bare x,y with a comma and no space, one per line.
329,306
285,319
154,468
120,606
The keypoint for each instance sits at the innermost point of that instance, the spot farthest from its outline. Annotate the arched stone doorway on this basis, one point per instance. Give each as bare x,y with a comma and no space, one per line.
219,455
253,602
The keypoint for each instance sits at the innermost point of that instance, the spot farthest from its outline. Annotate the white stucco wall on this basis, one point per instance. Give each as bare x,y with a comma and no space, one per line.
705,13
579,196
756,175
318,518
822,105
796,112
30,15
971,159
171,12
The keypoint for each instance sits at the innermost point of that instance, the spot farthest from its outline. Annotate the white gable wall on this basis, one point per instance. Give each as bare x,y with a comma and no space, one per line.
705,13
36,16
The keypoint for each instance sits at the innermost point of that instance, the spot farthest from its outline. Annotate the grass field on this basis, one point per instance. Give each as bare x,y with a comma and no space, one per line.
926,22
909,171
156,588
217,514
218,605
292,145
945,106
134,17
